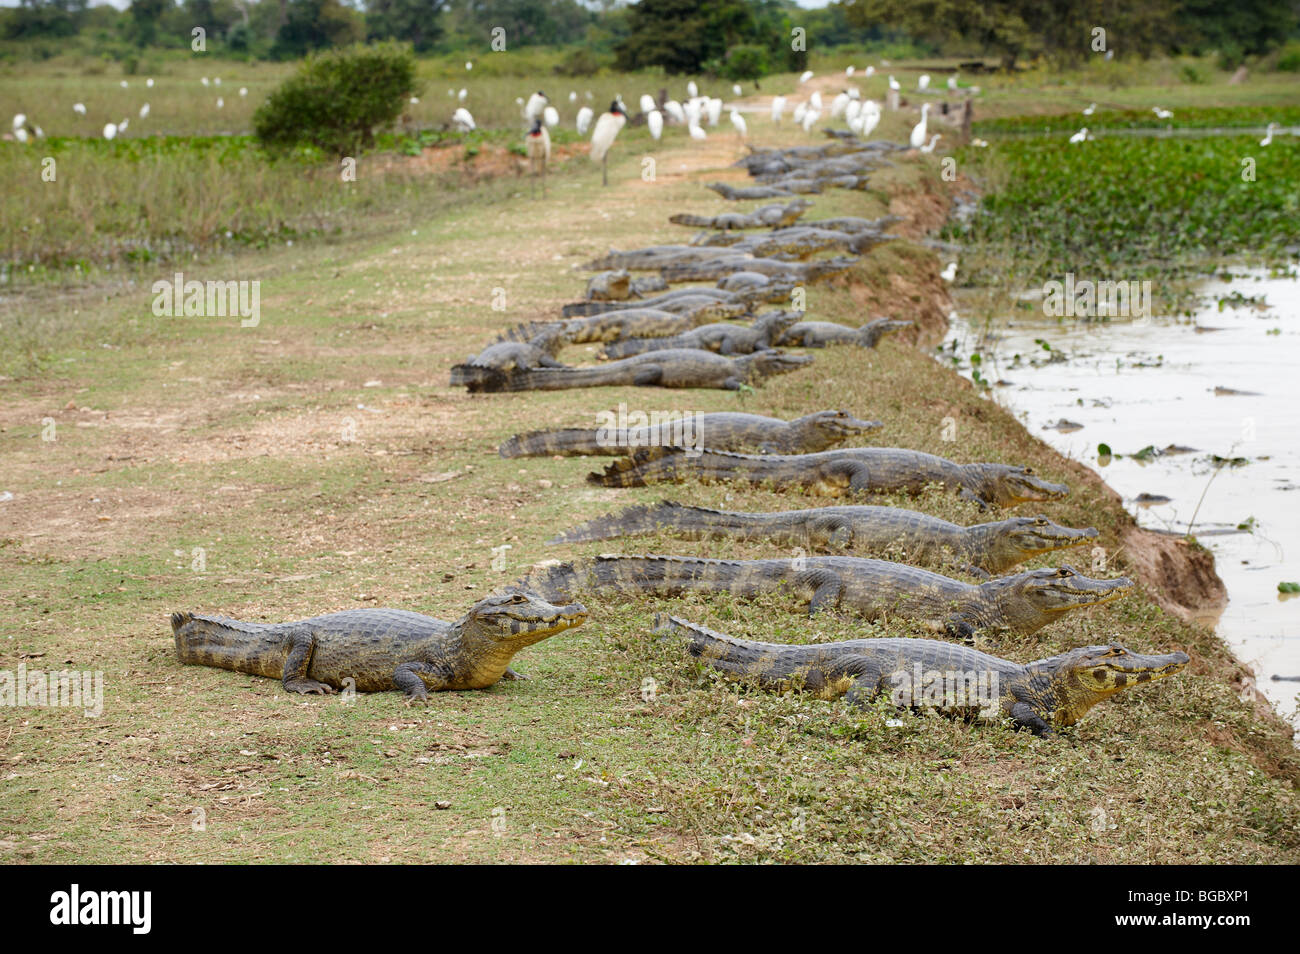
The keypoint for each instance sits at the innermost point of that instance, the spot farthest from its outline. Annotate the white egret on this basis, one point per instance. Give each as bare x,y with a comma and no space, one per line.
849,70
414,100
20,120
675,110
79,108
1092,108
216,80
149,82
692,110
460,96
800,110
738,121
243,91
220,102
123,84
1268,135
121,127
736,90
573,95
815,101
839,104
551,115
923,82
809,118
697,133
462,119
805,76
692,90
655,120
894,85
1162,113
918,131
647,102
930,147
870,116
21,134
469,65
585,116
204,80
714,111
1080,136
536,103
952,82
110,130
778,107
950,273
144,110
871,70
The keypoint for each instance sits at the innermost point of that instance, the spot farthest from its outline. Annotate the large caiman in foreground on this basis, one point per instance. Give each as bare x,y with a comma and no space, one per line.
956,681
891,532
844,472
724,429
873,589
378,649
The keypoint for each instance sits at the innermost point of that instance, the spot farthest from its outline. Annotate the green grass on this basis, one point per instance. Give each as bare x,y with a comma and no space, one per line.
1185,118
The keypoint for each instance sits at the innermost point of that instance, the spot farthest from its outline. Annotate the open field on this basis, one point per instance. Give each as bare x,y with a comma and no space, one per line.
319,461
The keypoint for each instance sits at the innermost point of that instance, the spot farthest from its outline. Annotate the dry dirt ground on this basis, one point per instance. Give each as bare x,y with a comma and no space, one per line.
321,461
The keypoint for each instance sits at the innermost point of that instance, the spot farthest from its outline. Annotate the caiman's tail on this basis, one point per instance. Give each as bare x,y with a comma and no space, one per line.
647,465
630,346
695,221
566,442
642,575
490,380
736,657
581,309
226,644
649,518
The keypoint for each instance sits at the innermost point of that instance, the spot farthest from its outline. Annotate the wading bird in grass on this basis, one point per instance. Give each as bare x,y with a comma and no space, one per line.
692,90
460,97
918,131
894,84
736,90
1092,108
573,96
778,107
1162,113
551,115
79,108
538,145
536,104
952,82
810,119
655,120
674,109
923,83
607,127
647,102
1268,135
462,120
697,132
849,70
930,147
110,130
585,116
715,111
1080,136
815,101
149,82
144,110
806,76
738,121
950,273
870,71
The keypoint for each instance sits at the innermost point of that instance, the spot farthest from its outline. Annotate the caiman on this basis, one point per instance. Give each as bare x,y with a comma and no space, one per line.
955,681
703,304
379,649
720,337
656,257
819,334
845,472
775,215
873,589
764,191
771,267
678,368
610,286
521,348
904,535
630,323
853,224
798,240
725,429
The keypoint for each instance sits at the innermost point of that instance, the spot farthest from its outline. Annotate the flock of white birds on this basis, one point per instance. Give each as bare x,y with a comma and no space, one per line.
24,131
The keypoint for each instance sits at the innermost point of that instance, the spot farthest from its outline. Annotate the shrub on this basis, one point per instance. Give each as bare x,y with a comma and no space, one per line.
1289,59
337,99
579,62
745,62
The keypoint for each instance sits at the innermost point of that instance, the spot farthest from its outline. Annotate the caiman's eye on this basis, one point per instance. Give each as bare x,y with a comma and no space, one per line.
1040,521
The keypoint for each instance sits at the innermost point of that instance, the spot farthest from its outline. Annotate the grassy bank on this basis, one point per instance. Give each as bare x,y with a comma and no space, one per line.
319,461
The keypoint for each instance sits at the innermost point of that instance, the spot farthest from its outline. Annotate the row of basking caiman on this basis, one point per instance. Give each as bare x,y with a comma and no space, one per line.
688,337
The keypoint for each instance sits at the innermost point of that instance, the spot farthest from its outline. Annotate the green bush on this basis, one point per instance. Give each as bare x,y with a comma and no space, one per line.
579,62
337,99
745,62
1289,58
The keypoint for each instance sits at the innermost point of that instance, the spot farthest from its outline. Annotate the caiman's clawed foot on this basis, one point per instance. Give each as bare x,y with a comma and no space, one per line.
416,697
511,674
309,687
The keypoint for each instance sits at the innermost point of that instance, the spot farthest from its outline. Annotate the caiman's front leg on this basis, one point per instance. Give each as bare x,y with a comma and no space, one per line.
416,679
827,588
868,684
511,674
1024,715
298,663
959,629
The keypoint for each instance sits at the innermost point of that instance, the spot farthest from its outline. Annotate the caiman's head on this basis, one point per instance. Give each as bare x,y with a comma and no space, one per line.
1004,485
775,323
1084,677
764,363
1007,543
519,618
834,427
718,310
1029,601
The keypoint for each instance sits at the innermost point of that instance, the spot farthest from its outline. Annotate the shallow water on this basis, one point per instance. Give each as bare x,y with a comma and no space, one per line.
1154,382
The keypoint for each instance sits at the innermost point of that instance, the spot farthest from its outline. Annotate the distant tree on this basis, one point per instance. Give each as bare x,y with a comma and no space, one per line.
145,18
1243,26
45,18
314,25
682,35
413,21
527,22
